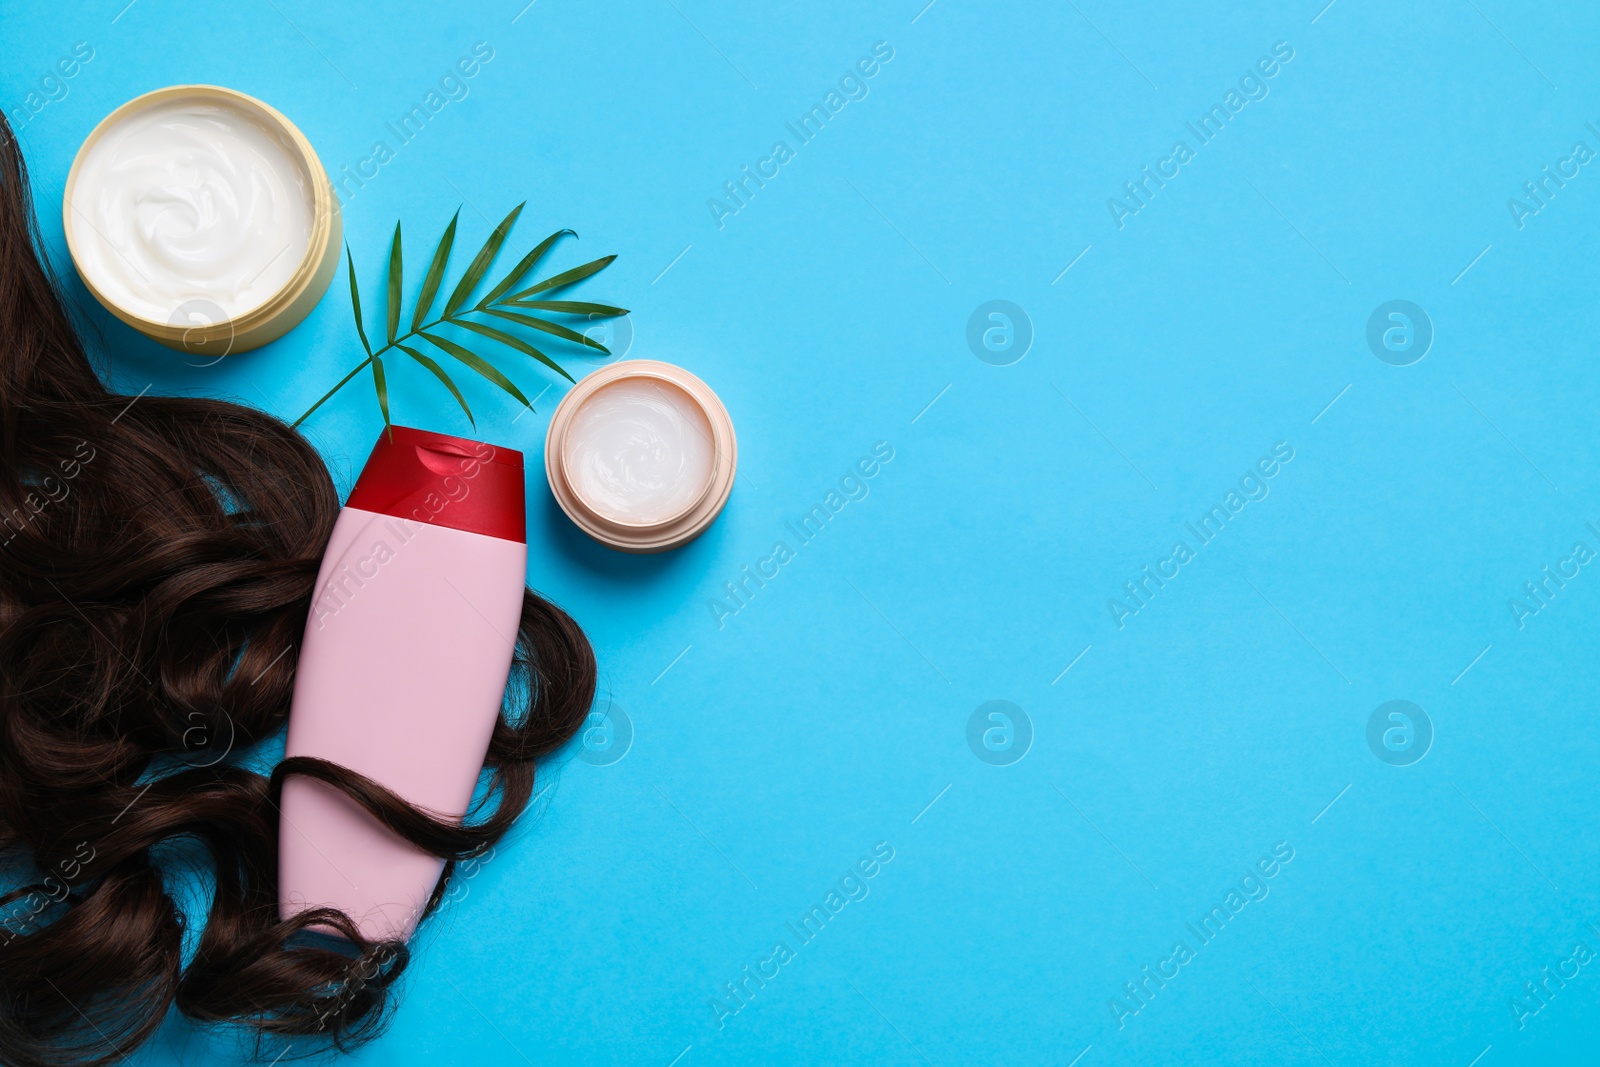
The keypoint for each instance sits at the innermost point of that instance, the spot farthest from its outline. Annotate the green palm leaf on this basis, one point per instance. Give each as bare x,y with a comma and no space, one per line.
566,278
430,285
522,268
551,328
479,364
381,384
480,263
438,372
515,308
396,275
570,307
355,301
515,342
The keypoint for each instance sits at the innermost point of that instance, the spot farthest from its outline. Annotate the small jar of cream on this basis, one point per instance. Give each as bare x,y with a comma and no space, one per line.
641,455
202,218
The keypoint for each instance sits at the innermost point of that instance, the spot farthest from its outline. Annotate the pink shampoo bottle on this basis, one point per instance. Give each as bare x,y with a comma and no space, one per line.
406,656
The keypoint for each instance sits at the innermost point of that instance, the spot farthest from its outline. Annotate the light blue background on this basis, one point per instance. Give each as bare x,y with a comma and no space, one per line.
774,751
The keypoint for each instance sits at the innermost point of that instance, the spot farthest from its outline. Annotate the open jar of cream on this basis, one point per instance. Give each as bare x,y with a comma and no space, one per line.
641,455
202,218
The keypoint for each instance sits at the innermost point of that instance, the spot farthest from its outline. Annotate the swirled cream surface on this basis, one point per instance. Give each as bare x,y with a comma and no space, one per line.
639,451
190,208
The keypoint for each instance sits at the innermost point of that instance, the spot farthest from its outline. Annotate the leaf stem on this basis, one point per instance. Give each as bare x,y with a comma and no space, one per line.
407,336
359,367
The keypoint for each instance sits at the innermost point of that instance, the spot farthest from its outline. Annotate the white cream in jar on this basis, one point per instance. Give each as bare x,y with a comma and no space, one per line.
638,451
191,202
641,455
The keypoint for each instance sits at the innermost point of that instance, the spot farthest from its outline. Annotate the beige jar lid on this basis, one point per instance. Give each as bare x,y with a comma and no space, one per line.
198,325
692,505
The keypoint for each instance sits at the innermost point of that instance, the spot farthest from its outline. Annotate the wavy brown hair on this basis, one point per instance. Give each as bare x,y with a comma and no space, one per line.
157,557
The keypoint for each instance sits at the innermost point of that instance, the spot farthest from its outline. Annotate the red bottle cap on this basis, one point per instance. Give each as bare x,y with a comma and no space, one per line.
444,481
